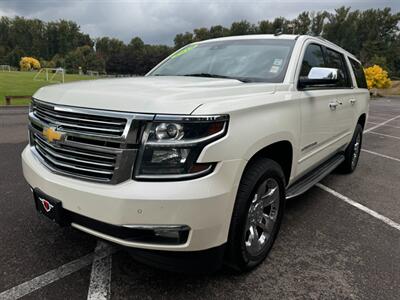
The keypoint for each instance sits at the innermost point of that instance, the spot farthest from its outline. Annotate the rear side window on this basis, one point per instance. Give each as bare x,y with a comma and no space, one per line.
336,60
313,57
359,74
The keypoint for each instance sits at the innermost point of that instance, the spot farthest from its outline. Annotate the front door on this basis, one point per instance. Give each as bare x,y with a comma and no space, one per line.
326,114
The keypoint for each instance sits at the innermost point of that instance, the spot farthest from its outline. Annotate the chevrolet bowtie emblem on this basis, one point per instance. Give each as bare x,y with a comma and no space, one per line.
51,134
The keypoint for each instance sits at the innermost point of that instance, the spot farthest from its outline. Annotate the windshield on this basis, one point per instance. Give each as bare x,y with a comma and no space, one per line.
258,60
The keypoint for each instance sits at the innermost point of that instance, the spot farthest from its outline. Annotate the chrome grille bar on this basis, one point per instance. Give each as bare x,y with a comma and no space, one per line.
54,121
57,114
75,151
79,121
70,158
57,163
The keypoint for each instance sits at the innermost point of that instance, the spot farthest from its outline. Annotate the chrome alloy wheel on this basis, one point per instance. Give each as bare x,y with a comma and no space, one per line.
262,216
356,151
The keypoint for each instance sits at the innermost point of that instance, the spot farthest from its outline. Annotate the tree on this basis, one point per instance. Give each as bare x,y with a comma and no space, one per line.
85,58
201,34
58,61
342,29
378,36
302,23
107,46
218,31
29,63
280,24
242,28
377,78
14,57
154,54
317,22
265,27
135,56
373,35
182,39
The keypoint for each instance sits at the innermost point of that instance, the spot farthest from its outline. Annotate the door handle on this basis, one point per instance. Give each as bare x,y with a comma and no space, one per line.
353,101
333,105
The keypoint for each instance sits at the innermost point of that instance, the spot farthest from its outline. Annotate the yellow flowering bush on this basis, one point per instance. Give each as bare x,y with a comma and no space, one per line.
29,63
377,78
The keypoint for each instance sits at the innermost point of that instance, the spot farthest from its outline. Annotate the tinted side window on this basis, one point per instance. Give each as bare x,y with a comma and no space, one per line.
313,57
359,74
336,60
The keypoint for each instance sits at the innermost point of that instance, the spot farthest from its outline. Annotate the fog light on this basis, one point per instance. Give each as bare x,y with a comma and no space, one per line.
178,235
157,234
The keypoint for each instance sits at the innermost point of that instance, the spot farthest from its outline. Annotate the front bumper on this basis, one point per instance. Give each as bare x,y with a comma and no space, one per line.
204,204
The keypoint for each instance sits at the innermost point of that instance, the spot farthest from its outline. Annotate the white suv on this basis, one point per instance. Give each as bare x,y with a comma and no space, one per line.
197,158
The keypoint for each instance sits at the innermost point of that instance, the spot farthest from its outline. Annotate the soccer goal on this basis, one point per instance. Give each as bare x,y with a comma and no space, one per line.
5,68
92,73
50,74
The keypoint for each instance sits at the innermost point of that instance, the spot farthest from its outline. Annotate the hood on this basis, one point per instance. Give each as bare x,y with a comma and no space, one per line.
152,94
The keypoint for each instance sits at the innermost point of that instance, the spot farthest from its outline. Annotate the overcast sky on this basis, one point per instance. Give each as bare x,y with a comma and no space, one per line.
157,22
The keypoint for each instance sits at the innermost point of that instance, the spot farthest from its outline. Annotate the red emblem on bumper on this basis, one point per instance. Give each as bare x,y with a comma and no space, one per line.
46,204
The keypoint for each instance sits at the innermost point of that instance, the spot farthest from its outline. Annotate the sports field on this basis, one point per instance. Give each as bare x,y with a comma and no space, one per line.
22,84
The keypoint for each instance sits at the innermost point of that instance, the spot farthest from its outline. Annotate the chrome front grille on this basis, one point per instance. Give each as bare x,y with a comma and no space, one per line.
91,144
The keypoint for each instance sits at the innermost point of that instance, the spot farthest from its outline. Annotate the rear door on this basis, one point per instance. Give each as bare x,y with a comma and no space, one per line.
359,101
343,94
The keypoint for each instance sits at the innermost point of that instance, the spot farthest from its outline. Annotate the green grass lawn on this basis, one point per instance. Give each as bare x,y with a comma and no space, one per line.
22,84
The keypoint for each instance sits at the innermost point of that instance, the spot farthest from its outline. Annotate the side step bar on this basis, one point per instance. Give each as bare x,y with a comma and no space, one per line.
316,175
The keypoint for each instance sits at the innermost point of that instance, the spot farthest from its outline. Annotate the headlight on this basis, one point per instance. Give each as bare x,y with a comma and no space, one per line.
171,146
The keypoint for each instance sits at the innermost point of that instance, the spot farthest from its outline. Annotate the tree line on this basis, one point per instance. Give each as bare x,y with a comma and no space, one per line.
373,35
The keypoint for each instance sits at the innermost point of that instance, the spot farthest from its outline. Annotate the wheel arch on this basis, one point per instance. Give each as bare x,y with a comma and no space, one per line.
281,152
362,120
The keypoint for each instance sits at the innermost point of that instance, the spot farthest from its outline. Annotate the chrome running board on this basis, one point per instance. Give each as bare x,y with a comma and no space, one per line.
313,177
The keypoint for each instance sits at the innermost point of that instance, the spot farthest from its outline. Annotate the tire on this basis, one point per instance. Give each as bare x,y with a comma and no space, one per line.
352,153
245,249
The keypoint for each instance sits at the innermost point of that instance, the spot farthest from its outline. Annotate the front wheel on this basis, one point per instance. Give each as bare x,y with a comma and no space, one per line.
257,214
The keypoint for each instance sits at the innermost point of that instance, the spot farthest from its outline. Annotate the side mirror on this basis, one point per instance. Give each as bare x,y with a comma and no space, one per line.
320,77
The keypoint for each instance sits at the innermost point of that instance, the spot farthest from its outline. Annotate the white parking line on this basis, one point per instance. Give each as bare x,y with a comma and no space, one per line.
36,283
375,114
381,124
377,118
387,135
381,155
369,211
100,278
398,127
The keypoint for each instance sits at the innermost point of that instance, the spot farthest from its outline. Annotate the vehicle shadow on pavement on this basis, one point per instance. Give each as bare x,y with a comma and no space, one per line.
301,263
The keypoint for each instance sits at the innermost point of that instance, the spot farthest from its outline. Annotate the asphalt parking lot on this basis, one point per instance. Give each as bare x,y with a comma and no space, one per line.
340,240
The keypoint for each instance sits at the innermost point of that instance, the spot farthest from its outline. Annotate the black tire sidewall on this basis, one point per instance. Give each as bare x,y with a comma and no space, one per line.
256,173
347,164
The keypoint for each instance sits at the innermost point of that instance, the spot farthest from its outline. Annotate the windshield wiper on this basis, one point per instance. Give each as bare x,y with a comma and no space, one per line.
216,76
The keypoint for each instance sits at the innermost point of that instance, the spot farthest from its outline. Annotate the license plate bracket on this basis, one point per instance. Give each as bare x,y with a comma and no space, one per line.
49,207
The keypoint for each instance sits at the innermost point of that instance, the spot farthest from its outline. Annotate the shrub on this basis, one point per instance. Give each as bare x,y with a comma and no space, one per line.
377,78
29,63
